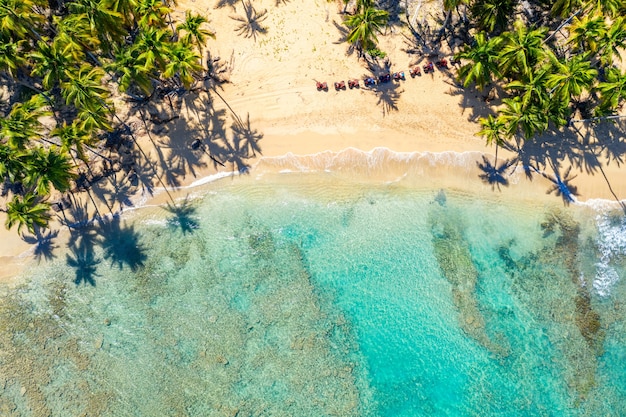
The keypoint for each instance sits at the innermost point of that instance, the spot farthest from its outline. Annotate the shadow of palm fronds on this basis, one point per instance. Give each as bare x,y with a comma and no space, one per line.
224,3
44,243
251,24
492,174
388,97
246,139
563,187
183,216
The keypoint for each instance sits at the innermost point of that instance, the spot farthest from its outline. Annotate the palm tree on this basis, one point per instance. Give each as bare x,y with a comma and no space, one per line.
493,15
364,26
483,57
532,87
12,163
585,33
11,58
17,18
153,47
613,42
493,131
103,22
48,167
571,77
126,8
195,34
183,62
130,70
522,49
84,88
606,7
22,124
564,8
152,13
93,118
613,90
529,120
75,138
51,62
74,36
27,211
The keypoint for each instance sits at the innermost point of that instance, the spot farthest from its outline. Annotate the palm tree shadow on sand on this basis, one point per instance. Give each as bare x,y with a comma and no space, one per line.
245,140
44,243
251,24
388,96
492,174
562,186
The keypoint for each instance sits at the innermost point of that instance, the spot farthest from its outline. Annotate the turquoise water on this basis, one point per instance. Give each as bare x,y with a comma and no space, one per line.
313,295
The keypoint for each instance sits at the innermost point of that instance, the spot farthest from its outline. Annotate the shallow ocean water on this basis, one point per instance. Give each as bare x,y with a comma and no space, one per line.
313,294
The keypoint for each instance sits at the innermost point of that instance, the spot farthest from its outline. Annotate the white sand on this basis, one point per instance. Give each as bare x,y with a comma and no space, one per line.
272,85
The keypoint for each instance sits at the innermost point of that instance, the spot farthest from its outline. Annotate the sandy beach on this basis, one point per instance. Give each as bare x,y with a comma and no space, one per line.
271,107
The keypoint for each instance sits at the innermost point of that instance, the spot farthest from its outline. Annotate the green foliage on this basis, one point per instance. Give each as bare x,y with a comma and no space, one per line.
613,90
376,53
492,15
483,57
63,59
364,25
544,77
27,211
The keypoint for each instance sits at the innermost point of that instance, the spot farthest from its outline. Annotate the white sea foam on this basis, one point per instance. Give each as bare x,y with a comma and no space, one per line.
209,178
611,244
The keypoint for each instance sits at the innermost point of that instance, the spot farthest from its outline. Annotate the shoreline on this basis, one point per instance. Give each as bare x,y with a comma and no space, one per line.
270,110
378,166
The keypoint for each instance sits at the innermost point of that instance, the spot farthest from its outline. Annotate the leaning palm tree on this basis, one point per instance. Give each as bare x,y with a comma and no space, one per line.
11,57
18,18
52,62
608,8
585,33
131,71
103,22
531,89
483,57
153,46
126,8
152,13
75,138
12,164
194,33
364,26
27,211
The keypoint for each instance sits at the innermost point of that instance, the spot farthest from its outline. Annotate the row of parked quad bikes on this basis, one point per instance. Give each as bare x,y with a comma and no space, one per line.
385,78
